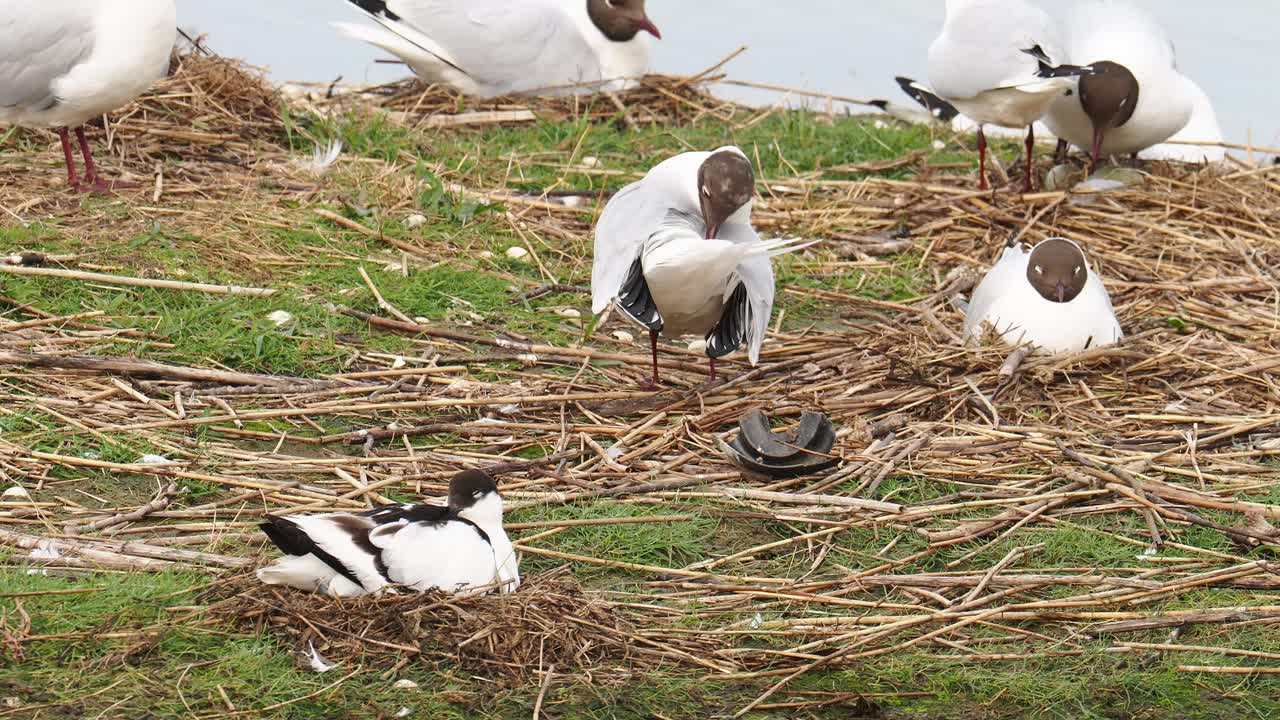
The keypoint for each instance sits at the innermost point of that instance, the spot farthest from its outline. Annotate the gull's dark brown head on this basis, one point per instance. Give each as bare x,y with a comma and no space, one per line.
726,182
1057,270
621,20
1109,96
469,487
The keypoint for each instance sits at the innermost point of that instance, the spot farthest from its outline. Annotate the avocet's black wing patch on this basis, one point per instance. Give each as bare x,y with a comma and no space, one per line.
411,512
939,108
729,333
635,301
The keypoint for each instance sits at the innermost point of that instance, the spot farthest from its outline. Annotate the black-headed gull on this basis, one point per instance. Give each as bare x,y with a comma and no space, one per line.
993,61
504,47
675,253
459,547
1047,296
1137,99
65,62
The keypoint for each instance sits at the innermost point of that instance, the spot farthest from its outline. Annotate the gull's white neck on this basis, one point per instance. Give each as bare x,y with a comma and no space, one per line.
617,60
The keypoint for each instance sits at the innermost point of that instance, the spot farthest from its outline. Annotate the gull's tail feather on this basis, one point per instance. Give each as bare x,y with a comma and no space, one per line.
400,39
937,107
779,246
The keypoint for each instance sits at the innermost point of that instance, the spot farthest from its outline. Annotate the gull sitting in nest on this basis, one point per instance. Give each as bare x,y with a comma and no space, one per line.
1047,297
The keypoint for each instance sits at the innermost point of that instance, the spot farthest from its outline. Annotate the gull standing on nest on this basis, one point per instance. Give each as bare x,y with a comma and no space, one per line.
459,547
65,62
1137,99
676,254
993,61
1047,297
504,47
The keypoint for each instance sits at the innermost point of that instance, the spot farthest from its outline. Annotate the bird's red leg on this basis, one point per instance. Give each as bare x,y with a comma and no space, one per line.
1031,167
93,183
712,363
65,136
982,159
1060,155
653,348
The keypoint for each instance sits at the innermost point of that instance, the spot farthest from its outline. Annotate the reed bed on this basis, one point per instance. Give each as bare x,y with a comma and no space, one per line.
1166,442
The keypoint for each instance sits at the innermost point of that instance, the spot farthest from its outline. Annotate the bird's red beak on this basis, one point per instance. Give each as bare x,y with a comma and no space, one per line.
647,25
712,230
1062,292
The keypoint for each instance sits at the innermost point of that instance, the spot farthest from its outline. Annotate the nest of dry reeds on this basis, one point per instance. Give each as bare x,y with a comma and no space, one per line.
207,97
550,621
657,99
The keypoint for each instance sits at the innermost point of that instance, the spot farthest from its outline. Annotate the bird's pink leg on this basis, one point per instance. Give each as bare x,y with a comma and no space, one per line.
982,159
92,183
712,363
65,136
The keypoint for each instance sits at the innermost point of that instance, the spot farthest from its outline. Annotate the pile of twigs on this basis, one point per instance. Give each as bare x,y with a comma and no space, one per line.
549,622
656,100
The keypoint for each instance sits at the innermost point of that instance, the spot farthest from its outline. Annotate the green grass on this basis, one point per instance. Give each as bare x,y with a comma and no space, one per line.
666,544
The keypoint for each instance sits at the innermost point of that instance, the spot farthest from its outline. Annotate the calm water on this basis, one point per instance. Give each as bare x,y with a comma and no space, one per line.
843,47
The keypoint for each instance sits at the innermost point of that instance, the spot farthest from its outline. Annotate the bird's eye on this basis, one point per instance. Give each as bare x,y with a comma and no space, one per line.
477,494
614,3
706,191
1039,270
1077,270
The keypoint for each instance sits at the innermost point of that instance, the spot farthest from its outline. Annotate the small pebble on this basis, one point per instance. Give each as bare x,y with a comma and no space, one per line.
623,335
415,220
405,685
590,161
515,252
16,491
280,318
698,346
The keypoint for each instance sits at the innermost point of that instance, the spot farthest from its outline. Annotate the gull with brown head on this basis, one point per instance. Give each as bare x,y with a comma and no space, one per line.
1047,297
676,254
506,47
